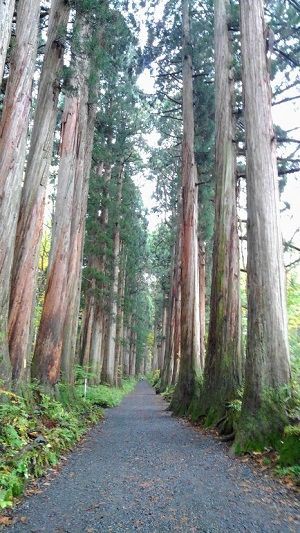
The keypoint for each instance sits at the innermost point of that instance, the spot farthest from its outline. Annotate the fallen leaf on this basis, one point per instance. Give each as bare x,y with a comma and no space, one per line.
6,520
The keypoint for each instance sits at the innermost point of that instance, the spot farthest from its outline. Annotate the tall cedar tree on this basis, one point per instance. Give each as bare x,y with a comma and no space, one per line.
190,318
223,366
31,214
67,231
267,364
6,16
13,136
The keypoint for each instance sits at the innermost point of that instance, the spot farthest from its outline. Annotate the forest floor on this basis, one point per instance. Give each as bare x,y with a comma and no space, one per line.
144,470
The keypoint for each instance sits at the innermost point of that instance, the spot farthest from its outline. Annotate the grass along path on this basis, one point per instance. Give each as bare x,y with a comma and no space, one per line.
143,470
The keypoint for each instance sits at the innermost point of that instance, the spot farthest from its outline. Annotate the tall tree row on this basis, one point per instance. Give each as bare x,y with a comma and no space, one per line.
83,36
266,378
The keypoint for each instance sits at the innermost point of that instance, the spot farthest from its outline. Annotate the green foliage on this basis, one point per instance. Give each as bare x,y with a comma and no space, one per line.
290,471
293,303
290,448
153,377
105,396
264,428
168,393
35,429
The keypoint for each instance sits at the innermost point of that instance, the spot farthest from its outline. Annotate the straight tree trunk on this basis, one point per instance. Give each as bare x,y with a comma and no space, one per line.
31,214
155,352
202,300
87,327
126,357
132,352
6,16
120,324
96,352
162,353
94,319
223,369
168,370
13,136
77,240
108,371
49,344
177,320
267,365
190,318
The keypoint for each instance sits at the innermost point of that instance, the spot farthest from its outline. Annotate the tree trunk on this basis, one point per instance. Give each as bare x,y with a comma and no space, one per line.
48,351
190,318
77,240
162,352
202,300
222,376
31,214
267,364
108,371
132,351
168,371
6,16
92,344
126,352
96,353
87,327
13,136
155,352
177,320
120,325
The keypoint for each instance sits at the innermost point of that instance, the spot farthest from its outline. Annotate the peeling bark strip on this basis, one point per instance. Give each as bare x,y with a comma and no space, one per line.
267,364
190,319
13,133
6,16
64,253
30,223
222,375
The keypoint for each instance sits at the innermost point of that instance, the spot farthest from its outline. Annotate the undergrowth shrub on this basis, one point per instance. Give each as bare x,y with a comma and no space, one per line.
105,396
154,379
36,429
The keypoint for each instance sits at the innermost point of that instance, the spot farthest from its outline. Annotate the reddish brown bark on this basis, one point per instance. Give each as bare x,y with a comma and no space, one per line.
13,134
6,16
75,259
30,222
202,300
190,319
63,262
267,363
222,377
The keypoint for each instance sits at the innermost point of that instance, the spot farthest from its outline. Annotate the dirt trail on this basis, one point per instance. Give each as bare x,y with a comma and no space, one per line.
143,470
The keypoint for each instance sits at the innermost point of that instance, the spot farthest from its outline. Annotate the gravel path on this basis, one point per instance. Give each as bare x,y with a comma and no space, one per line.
143,470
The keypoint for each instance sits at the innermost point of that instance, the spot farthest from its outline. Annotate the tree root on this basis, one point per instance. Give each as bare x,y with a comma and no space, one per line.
228,438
